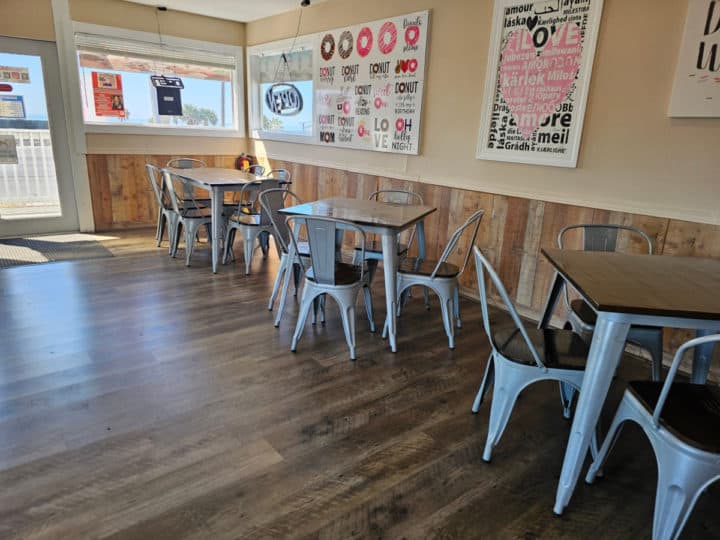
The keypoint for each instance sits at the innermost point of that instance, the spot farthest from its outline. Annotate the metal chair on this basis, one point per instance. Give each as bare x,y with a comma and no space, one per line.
167,217
257,170
329,275
521,356
251,221
272,201
190,218
188,194
582,318
373,248
279,174
682,422
440,276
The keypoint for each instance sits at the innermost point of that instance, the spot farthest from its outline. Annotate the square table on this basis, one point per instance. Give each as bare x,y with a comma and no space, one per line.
216,181
650,290
385,219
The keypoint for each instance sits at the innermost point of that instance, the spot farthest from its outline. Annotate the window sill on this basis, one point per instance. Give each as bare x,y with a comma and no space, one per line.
175,131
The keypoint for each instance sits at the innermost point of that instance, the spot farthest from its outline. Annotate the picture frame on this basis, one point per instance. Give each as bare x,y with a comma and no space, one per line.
537,80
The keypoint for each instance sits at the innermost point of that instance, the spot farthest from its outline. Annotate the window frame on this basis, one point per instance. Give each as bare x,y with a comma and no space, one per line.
255,130
235,51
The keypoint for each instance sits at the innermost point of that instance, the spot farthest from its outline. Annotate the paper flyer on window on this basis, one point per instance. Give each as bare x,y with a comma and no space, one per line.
12,106
14,74
108,94
370,84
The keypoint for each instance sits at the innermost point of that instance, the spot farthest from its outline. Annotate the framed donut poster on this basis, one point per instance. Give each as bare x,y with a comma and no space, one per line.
537,79
369,85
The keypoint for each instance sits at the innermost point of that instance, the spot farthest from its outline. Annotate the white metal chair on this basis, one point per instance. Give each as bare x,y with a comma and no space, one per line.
167,217
257,170
251,221
682,422
440,276
189,218
329,275
279,174
521,356
188,199
272,201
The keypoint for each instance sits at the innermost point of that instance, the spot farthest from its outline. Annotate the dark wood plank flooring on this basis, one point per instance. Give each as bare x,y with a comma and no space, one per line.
143,399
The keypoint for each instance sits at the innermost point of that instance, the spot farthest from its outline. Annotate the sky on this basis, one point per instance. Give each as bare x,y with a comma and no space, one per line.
33,93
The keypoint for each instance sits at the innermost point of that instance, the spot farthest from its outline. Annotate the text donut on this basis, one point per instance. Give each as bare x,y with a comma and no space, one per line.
327,47
364,41
387,37
345,44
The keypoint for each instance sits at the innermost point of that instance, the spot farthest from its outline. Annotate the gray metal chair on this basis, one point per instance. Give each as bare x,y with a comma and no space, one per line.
682,422
279,174
272,201
521,356
440,276
190,218
188,194
257,170
167,218
329,275
251,221
582,318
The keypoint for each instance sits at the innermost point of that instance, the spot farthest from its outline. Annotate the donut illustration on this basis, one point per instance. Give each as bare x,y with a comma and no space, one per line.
364,41
345,44
387,37
327,47
412,65
412,34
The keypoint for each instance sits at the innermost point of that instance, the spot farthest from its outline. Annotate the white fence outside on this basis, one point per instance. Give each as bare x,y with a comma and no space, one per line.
30,185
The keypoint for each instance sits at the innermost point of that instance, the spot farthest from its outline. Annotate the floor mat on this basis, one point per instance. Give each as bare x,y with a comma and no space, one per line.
50,248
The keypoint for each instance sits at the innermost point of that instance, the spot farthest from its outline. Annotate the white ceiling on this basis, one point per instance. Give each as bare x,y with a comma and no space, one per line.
234,10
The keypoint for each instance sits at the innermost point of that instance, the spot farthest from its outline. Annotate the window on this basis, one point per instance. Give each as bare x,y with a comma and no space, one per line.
118,94
281,90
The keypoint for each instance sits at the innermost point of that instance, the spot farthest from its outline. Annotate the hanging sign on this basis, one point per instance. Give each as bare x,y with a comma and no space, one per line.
168,89
14,74
696,89
537,80
284,99
108,94
8,150
369,87
12,107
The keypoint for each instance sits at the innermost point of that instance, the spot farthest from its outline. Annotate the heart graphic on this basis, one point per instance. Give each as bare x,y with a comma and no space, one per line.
531,22
533,83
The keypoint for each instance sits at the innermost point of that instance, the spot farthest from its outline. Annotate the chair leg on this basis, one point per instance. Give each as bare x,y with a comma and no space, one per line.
190,232
347,312
623,414
681,480
283,297
651,340
176,238
229,237
446,305
485,385
456,303
282,268
249,237
372,265
264,240
508,384
305,303
567,395
161,225
369,307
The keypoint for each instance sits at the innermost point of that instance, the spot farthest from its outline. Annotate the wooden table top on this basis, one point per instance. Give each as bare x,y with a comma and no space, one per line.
687,287
214,176
363,212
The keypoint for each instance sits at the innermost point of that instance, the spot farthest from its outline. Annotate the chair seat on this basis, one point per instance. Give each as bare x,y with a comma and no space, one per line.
587,314
375,246
252,220
345,274
691,411
197,213
417,266
561,349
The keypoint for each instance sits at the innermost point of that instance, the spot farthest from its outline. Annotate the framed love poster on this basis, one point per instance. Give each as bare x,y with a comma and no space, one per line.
538,74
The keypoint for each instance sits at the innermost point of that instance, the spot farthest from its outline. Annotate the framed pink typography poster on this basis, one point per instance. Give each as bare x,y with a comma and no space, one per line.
537,80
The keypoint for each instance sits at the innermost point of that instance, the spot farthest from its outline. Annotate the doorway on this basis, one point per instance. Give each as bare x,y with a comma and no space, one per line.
36,186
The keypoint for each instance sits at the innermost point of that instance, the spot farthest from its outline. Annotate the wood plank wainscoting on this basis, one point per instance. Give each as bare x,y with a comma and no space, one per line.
512,232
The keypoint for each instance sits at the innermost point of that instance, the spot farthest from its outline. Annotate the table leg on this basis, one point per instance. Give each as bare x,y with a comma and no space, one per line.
606,349
390,266
551,301
217,196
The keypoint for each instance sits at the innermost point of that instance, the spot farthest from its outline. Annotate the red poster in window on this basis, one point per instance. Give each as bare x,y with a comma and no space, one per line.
108,94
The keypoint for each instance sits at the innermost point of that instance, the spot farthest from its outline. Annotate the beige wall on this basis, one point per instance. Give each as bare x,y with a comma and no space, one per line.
632,158
30,19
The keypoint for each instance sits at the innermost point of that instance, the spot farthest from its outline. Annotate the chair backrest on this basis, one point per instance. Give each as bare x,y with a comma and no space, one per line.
603,237
249,198
185,163
482,265
175,185
271,202
471,224
324,238
257,170
714,338
158,186
403,197
279,174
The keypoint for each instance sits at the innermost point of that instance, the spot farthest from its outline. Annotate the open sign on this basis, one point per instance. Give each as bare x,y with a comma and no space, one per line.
284,99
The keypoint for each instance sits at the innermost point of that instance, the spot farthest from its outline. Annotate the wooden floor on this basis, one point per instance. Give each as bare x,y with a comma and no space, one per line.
143,399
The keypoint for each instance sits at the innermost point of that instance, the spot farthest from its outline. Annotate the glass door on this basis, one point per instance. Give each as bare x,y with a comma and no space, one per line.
36,186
